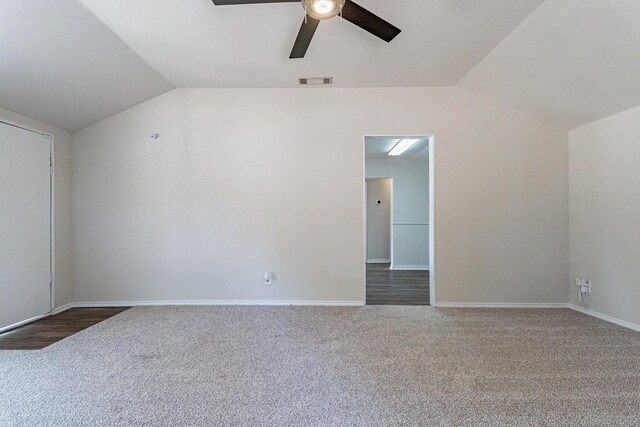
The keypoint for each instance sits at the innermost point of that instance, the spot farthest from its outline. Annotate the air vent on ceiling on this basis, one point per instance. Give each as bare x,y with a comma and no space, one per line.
315,81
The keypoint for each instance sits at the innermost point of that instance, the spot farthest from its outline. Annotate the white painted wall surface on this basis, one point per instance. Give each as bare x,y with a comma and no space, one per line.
378,220
410,208
410,247
62,210
604,160
243,181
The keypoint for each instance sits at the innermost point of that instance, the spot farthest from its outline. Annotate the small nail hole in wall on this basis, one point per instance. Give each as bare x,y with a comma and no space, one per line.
379,202
154,136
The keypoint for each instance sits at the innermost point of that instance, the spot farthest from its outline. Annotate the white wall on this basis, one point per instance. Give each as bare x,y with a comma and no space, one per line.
410,208
378,220
604,171
62,211
243,181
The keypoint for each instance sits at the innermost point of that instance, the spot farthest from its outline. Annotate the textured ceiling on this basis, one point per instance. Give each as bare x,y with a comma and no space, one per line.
573,61
59,64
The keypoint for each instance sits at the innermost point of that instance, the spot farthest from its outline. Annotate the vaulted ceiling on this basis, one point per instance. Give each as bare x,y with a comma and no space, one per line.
195,44
59,64
71,63
574,61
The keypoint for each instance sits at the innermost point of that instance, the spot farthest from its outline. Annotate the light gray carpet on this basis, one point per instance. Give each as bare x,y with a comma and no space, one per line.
322,366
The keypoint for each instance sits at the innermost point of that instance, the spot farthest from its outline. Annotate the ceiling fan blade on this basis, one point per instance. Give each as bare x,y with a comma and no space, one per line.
368,21
231,2
307,30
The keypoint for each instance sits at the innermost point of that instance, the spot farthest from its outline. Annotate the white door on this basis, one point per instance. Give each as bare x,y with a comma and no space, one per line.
25,225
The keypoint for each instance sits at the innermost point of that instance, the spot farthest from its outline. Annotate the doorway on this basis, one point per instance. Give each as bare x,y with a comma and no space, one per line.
399,220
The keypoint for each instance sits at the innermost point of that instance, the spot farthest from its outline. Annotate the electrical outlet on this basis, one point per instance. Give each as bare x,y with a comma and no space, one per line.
584,284
267,278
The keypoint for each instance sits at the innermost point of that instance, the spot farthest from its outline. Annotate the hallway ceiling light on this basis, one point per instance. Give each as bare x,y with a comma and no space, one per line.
402,146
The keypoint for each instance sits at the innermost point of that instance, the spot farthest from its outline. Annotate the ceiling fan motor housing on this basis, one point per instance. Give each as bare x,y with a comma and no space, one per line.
323,9
318,10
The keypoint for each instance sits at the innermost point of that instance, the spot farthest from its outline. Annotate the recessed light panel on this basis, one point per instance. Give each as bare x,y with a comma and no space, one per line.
402,146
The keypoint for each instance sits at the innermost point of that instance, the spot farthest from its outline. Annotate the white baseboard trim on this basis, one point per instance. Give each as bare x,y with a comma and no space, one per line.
605,317
33,319
65,307
62,308
410,267
217,302
24,322
378,261
182,302
499,305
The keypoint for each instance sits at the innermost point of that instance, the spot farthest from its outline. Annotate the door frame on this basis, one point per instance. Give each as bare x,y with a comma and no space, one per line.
52,263
432,209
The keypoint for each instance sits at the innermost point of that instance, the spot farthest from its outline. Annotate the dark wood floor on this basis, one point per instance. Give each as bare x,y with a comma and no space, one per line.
44,332
396,287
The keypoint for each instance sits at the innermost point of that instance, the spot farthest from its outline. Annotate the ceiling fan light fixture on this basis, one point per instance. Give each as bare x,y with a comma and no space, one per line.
318,10
323,9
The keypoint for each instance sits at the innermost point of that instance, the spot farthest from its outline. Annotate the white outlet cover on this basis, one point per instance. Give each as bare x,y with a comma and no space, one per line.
582,283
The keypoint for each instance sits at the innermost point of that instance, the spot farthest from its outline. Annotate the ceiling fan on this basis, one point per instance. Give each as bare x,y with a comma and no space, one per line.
318,10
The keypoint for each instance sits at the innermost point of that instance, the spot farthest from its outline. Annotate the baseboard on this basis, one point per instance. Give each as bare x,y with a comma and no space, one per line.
583,310
605,317
410,267
62,308
24,322
217,302
182,302
499,305
378,261
33,319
